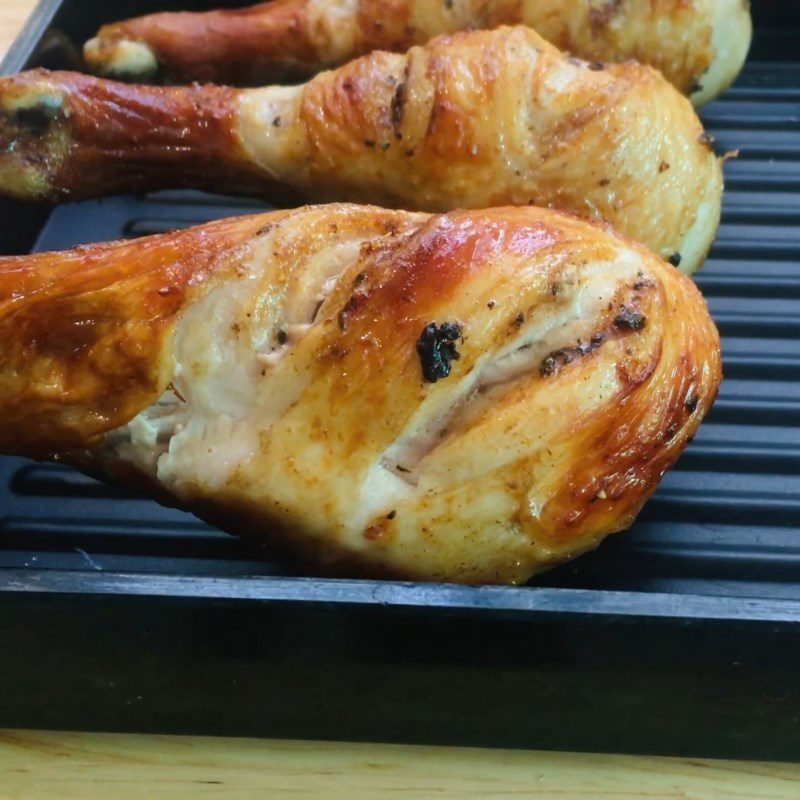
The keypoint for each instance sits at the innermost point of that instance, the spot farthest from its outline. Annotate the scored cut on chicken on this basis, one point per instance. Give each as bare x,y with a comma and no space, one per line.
699,45
469,397
475,120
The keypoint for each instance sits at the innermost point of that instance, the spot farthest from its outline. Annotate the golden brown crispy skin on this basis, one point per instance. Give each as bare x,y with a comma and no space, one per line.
82,331
473,120
93,136
699,45
273,375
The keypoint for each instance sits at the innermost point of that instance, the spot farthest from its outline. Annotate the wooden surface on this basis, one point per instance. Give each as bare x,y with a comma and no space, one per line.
41,766
35,766
12,14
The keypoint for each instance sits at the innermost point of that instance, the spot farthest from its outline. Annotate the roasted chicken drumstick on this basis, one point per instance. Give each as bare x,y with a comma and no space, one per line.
475,120
699,45
468,397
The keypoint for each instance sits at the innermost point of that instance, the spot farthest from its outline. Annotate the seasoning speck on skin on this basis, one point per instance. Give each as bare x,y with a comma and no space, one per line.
675,259
519,319
276,122
691,403
391,515
436,348
282,336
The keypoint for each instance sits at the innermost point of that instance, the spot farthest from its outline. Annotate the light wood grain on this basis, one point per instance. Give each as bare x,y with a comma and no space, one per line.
40,766
43,766
13,14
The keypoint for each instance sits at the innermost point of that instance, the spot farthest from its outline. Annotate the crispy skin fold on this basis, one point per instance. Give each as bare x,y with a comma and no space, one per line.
265,373
475,120
699,45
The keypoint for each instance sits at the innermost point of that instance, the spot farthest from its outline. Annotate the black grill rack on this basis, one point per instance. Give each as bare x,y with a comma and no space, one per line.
680,636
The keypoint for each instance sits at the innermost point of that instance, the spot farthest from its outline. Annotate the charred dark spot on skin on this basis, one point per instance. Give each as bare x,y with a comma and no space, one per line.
629,318
36,119
436,348
642,282
566,355
604,182
264,229
663,166
519,319
597,66
391,515
359,279
675,259
276,123
669,433
281,337
691,402
707,140
397,107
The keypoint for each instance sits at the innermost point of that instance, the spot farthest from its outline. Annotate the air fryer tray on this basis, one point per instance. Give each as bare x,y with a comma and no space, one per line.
679,636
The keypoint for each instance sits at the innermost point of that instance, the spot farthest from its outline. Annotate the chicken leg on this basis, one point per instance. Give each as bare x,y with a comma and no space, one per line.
473,120
469,397
699,45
